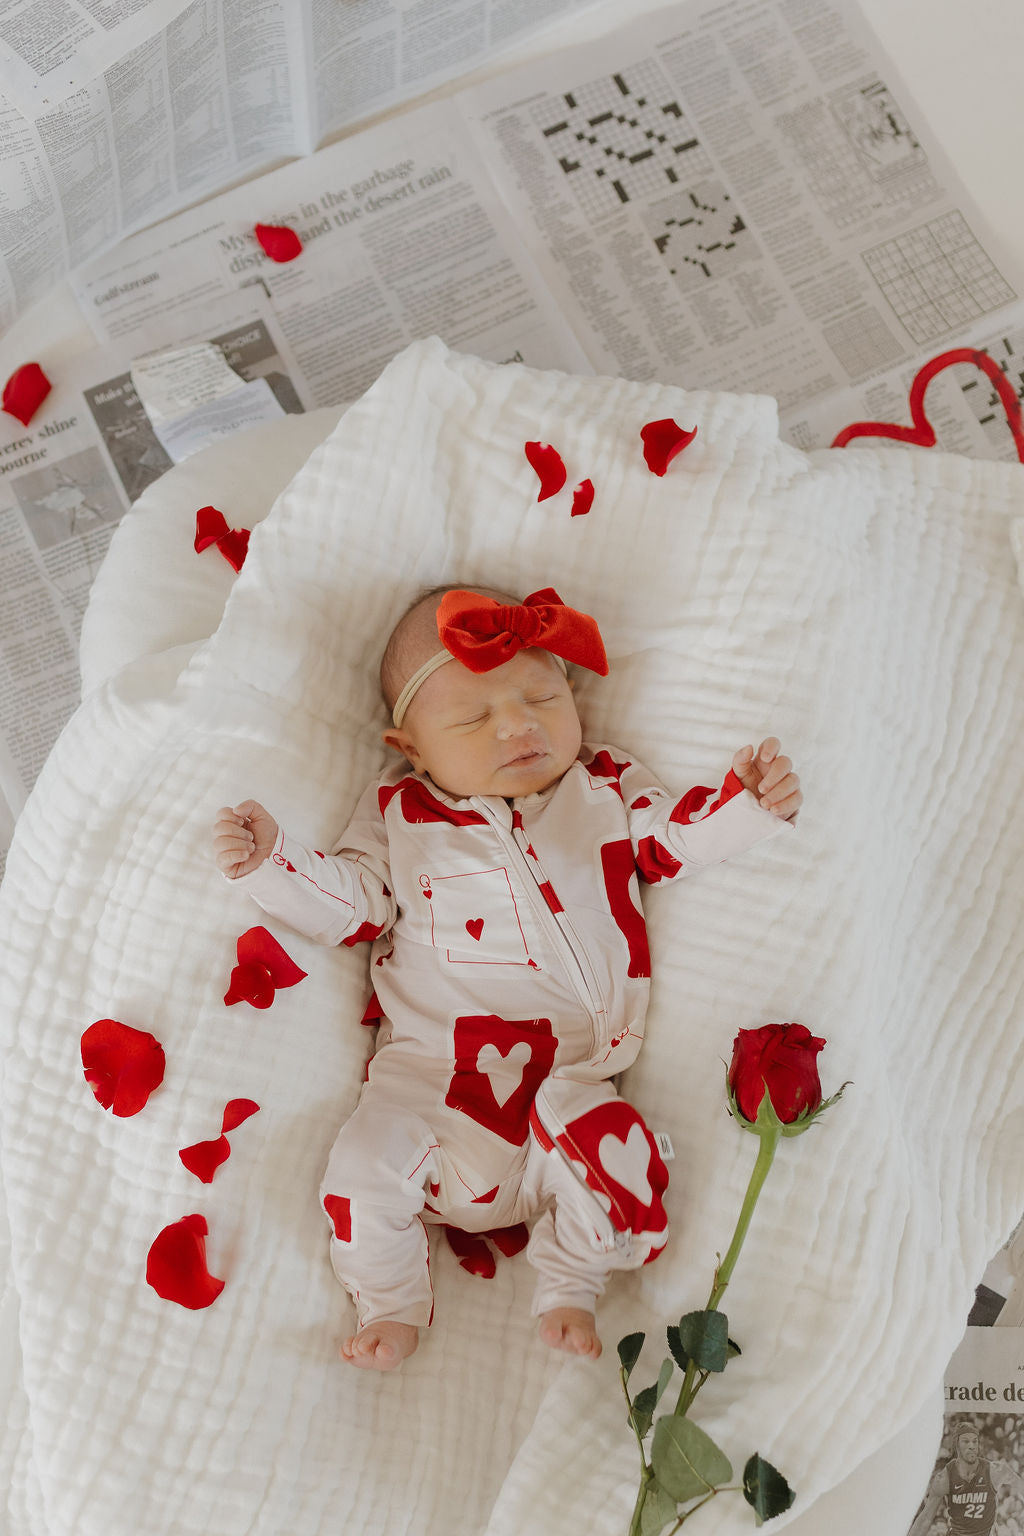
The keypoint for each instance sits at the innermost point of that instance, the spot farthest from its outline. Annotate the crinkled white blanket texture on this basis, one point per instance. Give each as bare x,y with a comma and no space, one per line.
862,605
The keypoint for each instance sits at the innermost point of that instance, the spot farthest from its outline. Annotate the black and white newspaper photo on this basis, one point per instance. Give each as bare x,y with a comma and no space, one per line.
977,1487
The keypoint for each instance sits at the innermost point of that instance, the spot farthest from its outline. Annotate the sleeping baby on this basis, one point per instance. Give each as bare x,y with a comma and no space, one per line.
494,872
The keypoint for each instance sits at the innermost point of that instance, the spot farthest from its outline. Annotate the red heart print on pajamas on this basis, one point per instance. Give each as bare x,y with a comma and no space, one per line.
475,927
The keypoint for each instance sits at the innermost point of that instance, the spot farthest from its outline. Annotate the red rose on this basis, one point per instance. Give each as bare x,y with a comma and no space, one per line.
783,1056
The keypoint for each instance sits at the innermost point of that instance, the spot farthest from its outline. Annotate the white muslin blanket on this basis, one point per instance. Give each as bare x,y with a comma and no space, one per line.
863,606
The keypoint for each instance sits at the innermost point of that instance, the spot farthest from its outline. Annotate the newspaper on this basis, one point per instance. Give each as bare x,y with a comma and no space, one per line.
733,195
115,113
977,1488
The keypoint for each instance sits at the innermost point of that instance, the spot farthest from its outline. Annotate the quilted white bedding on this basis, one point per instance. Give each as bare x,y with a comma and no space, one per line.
861,604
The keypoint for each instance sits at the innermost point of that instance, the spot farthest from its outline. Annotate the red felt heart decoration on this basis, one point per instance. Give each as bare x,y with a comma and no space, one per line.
922,433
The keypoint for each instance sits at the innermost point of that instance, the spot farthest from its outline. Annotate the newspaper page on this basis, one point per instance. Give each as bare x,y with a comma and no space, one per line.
741,196
220,91
403,236
49,49
67,479
977,1488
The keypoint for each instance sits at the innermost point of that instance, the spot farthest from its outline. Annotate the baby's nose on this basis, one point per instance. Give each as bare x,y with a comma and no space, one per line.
515,720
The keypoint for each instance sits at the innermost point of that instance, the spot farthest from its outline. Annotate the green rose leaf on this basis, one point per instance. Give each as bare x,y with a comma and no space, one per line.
705,1337
664,1377
644,1405
686,1461
659,1508
765,1489
675,1344
629,1351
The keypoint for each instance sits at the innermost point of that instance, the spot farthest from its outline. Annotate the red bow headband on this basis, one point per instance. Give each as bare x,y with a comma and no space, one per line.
483,634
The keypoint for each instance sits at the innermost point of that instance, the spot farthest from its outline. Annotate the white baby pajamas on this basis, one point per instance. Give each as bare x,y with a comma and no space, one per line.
511,972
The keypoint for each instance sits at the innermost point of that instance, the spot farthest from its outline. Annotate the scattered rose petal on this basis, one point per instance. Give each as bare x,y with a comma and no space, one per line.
582,498
212,528
122,1065
25,391
547,463
203,1158
472,1252
279,242
236,1112
262,967
251,984
176,1266
662,440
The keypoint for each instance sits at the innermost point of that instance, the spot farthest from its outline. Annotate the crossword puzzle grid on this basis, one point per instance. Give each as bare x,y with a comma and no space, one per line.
619,139
980,394
937,277
699,234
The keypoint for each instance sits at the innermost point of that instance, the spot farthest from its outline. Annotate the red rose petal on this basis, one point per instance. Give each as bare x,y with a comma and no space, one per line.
472,1252
236,1112
176,1266
122,1065
211,525
258,946
212,528
279,242
662,440
547,463
251,984
203,1158
25,391
582,498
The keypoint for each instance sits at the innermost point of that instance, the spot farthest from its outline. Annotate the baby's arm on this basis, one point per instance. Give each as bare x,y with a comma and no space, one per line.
770,777
243,836
334,898
758,798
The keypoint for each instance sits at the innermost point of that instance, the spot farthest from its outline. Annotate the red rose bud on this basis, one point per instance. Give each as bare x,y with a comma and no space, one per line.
783,1059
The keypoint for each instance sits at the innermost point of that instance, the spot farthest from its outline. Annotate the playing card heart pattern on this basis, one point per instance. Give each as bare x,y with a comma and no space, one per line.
621,1162
499,1065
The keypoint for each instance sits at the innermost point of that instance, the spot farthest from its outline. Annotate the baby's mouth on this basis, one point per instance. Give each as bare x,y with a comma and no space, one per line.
525,758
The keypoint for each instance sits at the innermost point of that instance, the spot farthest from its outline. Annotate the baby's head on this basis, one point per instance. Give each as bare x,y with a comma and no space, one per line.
508,731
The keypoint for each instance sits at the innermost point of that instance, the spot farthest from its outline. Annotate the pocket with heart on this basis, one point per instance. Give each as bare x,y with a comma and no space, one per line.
476,920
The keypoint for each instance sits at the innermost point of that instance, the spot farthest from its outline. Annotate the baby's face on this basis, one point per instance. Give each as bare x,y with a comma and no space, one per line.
510,732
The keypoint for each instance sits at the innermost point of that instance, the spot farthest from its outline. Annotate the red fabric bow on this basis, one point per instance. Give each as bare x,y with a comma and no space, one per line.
483,634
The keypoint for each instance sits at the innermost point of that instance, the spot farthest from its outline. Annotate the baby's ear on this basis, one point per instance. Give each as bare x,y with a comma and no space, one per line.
399,741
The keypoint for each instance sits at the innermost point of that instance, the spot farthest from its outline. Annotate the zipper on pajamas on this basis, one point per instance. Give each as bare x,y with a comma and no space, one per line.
580,970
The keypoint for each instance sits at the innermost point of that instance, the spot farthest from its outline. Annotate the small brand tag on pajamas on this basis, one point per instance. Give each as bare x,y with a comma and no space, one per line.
664,1144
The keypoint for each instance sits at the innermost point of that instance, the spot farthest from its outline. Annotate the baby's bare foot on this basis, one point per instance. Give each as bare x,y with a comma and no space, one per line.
571,1329
380,1346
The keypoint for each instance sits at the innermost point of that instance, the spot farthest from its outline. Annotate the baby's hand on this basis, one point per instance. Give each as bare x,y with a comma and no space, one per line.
242,838
770,777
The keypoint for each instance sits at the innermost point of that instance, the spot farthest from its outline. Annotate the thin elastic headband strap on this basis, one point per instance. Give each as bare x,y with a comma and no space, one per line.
420,676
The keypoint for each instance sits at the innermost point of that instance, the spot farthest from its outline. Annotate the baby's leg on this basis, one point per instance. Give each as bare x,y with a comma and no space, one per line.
373,1193
612,1219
